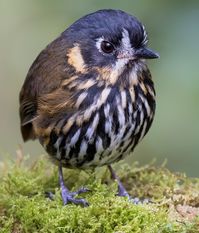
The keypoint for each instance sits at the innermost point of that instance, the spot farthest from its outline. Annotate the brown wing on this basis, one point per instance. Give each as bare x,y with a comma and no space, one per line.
43,79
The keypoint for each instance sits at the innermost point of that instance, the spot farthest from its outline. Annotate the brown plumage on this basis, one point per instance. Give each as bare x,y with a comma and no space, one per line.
89,97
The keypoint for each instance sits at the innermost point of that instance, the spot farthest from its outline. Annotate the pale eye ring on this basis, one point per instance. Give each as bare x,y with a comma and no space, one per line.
107,47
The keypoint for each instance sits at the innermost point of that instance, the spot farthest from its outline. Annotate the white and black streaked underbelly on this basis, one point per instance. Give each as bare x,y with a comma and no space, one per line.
110,133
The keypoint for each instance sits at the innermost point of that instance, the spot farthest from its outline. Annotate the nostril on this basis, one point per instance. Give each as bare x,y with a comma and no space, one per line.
124,54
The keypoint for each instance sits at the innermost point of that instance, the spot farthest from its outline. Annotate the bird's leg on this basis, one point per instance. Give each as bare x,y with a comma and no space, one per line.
67,196
121,190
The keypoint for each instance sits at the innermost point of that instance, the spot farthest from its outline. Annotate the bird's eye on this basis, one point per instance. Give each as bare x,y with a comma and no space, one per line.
107,47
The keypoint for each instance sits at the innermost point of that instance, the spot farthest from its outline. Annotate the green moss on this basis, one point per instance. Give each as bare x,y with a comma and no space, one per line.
24,207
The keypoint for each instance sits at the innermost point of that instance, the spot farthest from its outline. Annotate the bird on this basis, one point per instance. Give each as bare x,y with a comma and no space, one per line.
89,97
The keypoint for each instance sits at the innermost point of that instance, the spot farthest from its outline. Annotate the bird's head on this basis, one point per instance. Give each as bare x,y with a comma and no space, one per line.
110,41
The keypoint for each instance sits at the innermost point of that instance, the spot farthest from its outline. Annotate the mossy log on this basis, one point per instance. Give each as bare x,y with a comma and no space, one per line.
173,206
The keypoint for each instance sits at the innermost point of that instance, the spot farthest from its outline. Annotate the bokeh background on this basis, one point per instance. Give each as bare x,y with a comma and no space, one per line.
27,26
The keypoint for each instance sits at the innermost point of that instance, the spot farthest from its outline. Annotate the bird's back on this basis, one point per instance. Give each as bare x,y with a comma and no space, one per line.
44,77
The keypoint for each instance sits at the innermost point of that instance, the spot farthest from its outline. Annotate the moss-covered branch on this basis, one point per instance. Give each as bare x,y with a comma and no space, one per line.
24,207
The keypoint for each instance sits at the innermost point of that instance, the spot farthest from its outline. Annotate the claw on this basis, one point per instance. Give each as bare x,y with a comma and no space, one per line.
77,201
49,195
135,200
138,201
81,190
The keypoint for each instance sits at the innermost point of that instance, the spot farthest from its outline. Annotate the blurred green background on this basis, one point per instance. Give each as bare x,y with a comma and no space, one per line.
27,26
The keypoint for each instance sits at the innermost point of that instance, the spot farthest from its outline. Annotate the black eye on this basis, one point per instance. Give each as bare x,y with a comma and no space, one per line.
107,47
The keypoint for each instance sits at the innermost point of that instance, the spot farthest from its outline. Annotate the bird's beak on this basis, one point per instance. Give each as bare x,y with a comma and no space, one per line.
145,53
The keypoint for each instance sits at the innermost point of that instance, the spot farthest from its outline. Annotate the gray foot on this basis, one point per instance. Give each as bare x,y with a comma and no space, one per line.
69,197
122,191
